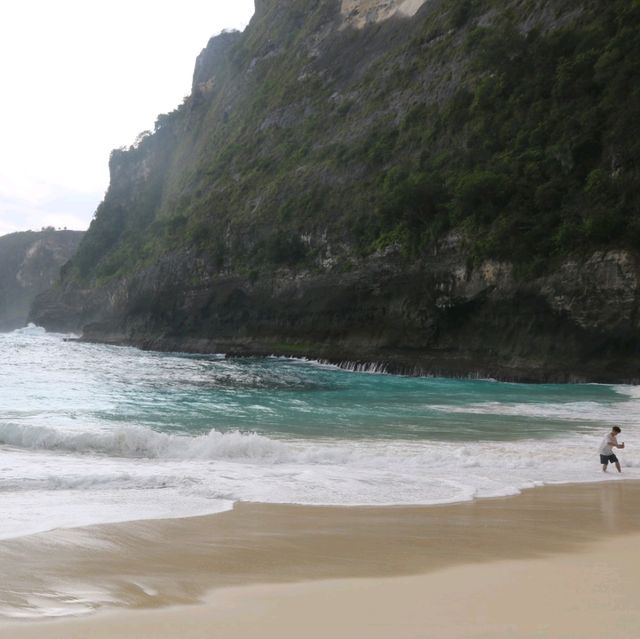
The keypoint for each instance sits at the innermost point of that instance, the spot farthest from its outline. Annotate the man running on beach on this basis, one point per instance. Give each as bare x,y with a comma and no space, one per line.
606,449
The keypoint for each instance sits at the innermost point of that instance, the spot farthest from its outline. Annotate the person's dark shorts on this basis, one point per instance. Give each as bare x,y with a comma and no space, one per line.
605,459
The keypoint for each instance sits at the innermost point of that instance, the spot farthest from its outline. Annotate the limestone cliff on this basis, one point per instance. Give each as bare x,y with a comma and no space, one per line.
30,264
441,186
360,13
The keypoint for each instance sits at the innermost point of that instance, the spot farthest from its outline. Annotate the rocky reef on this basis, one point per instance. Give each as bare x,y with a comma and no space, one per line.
30,264
433,187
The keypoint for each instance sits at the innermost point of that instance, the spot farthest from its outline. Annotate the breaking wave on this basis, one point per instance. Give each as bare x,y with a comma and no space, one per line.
138,441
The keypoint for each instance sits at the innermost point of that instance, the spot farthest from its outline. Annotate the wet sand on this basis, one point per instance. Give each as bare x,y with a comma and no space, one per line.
491,566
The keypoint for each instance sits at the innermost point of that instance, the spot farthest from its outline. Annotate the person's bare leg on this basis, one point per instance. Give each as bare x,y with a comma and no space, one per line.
604,468
618,467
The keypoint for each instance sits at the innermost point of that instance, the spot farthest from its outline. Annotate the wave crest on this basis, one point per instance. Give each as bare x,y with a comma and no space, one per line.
137,441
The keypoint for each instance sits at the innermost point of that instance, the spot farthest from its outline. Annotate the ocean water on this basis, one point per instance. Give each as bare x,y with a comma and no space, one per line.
93,434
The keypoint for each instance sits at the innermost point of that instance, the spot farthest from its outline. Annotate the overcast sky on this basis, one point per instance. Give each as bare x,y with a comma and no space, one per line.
80,78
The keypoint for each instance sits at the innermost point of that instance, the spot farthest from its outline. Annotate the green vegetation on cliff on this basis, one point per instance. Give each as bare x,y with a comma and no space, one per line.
306,145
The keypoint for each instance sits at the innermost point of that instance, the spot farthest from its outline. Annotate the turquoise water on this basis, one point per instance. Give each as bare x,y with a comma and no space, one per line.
284,398
142,435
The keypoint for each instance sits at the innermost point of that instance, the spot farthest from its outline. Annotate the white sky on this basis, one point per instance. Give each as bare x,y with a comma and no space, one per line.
79,78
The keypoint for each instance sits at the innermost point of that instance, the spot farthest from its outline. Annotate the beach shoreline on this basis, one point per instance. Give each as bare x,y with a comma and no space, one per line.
256,551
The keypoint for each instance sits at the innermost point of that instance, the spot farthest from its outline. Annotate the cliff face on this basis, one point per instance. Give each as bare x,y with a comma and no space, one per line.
444,187
441,317
30,264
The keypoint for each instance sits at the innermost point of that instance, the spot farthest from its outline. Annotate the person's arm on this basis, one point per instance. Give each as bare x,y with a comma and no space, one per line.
614,443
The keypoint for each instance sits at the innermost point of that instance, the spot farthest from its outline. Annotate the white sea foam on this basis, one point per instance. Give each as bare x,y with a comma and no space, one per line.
152,480
138,441
631,391
586,412
30,329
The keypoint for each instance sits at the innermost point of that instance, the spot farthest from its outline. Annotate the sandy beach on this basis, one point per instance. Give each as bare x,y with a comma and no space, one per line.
551,562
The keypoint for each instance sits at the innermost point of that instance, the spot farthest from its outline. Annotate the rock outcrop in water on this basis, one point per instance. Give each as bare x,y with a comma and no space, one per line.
30,264
440,187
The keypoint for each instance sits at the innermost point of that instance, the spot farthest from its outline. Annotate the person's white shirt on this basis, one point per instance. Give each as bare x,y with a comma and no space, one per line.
609,441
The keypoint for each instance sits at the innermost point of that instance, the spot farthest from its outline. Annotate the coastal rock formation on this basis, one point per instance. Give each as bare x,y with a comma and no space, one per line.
440,187
443,317
30,264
